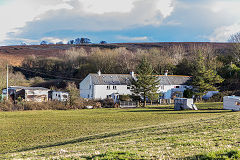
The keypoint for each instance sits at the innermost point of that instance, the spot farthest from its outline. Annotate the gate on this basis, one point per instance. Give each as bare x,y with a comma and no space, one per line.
126,104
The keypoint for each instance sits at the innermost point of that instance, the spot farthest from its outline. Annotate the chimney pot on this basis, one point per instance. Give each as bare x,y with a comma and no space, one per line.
166,73
132,74
99,73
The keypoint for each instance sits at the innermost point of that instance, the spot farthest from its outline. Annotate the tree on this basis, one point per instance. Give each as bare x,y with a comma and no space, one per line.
44,43
73,93
85,41
204,79
103,42
146,84
77,41
235,38
71,42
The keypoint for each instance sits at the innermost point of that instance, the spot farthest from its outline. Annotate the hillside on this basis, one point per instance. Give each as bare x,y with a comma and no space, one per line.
16,54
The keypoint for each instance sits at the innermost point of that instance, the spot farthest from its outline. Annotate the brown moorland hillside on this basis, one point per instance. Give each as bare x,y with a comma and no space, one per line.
16,54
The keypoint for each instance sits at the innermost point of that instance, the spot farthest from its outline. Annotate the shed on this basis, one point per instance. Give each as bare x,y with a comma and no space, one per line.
184,104
32,94
231,103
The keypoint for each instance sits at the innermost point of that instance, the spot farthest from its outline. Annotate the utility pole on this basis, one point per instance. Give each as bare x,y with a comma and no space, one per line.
7,82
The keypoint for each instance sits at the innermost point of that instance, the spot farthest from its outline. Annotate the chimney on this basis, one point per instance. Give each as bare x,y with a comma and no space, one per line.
99,73
132,74
166,73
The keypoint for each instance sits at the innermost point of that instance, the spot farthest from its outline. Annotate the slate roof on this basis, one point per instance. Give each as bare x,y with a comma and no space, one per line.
125,79
111,79
27,88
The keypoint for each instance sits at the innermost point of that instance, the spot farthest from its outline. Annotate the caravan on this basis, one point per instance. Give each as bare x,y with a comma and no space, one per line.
231,103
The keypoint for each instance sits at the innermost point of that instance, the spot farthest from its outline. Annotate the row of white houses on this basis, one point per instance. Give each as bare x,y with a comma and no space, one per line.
101,86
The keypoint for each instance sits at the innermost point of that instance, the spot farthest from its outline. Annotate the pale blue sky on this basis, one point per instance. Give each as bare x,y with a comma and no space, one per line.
31,21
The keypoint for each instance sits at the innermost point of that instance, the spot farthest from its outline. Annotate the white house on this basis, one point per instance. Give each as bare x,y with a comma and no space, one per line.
101,86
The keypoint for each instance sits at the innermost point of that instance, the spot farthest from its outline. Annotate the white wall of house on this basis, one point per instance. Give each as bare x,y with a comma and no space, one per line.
103,91
86,88
89,90
167,90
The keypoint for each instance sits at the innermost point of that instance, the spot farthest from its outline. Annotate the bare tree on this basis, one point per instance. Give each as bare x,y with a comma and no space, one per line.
235,38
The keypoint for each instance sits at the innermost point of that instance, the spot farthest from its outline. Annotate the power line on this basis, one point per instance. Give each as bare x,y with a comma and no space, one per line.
49,75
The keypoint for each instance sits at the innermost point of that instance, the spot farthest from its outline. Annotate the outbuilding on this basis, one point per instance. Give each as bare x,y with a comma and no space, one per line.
231,103
30,94
59,96
184,104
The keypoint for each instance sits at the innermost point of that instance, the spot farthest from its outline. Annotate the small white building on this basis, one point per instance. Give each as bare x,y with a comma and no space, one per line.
101,86
231,103
184,104
59,96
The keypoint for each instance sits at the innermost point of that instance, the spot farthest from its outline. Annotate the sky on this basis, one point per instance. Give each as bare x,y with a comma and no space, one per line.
114,21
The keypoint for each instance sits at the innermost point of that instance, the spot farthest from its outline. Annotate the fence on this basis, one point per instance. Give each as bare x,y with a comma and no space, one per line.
125,104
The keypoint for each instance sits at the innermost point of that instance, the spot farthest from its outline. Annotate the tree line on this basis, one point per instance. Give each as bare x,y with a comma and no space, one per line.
178,60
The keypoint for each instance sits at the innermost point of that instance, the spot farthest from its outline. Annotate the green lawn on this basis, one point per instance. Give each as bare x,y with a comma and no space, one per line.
148,133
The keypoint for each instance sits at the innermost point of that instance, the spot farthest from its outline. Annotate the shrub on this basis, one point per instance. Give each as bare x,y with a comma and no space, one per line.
107,103
124,98
50,105
6,106
188,93
218,97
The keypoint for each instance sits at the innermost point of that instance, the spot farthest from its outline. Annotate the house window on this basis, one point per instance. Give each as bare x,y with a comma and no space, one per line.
114,87
177,86
109,96
108,87
162,87
90,86
128,87
88,95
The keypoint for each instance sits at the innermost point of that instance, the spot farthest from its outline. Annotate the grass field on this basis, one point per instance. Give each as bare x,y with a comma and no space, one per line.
146,133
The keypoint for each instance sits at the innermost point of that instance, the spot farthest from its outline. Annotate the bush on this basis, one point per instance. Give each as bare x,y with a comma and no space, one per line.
50,105
107,103
218,97
124,98
188,93
6,106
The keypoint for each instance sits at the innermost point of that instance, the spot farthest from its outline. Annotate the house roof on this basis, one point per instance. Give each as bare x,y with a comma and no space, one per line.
111,79
27,88
125,79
